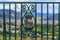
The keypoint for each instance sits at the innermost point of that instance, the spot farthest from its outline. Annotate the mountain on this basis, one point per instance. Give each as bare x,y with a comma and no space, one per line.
7,16
7,13
44,15
50,16
55,17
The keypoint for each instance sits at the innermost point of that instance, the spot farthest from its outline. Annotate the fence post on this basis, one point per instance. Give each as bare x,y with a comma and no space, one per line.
53,24
41,21
21,21
9,22
59,21
35,21
4,24
47,21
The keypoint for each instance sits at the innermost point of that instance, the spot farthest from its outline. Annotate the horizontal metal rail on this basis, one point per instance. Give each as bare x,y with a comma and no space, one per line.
30,2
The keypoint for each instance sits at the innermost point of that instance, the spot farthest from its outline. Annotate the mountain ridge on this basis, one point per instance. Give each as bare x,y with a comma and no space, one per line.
50,15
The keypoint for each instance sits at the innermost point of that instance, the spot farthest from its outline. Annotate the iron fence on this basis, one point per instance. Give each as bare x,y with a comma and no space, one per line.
33,11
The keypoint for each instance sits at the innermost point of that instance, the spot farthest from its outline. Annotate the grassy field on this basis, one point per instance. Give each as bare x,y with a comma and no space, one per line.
18,38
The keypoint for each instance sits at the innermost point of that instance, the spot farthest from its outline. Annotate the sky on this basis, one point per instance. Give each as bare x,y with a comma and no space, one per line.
38,5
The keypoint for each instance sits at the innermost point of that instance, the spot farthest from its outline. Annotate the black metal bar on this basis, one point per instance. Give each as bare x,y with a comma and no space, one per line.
4,24
53,24
47,21
15,21
21,21
41,21
35,22
59,21
9,22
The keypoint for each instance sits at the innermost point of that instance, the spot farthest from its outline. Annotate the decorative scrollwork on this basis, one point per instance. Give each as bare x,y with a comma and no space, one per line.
28,8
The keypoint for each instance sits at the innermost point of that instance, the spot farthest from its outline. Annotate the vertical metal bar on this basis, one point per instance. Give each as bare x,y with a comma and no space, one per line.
3,24
9,21
21,21
47,21
35,21
59,21
15,21
53,24
41,21
4,28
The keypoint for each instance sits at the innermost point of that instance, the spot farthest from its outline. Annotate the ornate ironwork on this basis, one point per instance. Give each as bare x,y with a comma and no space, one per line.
28,10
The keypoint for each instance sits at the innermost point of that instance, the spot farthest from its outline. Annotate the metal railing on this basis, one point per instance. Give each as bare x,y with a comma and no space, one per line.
35,20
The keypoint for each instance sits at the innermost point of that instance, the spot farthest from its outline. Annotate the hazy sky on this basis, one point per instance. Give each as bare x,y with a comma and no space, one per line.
38,6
